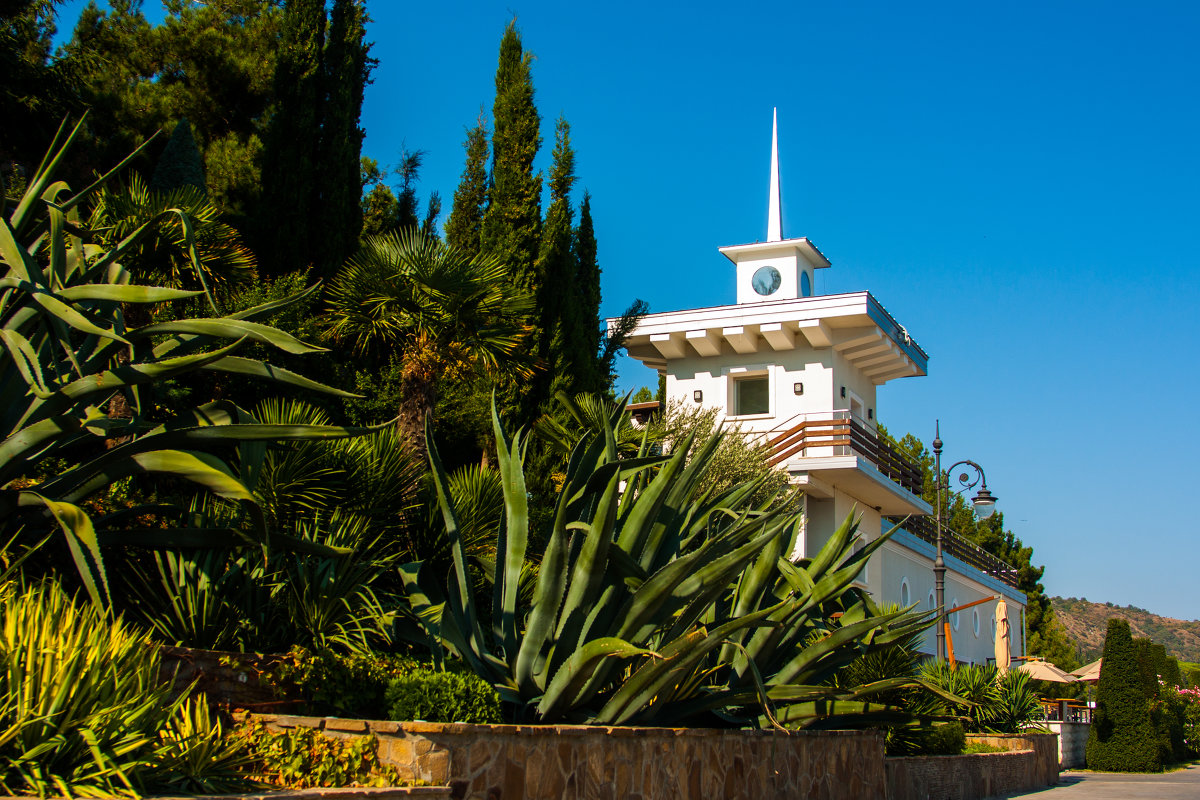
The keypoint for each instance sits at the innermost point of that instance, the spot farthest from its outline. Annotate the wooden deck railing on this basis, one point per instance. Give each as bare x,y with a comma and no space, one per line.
847,436
960,547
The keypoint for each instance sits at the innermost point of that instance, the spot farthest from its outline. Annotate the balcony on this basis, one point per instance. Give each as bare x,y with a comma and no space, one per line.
842,434
925,528
837,449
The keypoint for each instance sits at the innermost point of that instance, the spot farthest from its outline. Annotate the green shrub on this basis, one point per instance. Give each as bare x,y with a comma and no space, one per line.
946,739
1122,737
1191,721
344,685
443,697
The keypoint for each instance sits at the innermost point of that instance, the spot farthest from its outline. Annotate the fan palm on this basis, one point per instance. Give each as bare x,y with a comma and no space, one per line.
163,256
445,313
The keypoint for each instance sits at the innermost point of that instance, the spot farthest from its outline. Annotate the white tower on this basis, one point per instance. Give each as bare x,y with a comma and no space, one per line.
777,269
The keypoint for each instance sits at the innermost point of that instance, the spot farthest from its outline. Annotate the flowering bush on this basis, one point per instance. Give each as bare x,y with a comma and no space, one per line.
1191,720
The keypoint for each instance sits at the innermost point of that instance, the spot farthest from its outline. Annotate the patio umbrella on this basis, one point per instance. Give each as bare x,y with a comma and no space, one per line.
1089,673
1003,653
1045,671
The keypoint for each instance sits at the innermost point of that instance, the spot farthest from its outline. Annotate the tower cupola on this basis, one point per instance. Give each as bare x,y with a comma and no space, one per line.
777,269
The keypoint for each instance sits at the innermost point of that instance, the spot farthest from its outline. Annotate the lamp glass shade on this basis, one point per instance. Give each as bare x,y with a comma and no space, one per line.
985,504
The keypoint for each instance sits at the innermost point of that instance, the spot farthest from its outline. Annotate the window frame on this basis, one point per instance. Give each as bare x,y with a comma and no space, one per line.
751,371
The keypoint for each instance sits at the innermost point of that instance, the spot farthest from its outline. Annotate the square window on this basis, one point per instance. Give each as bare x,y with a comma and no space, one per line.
752,395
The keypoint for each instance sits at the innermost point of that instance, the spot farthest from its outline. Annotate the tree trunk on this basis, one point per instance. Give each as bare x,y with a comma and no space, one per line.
418,394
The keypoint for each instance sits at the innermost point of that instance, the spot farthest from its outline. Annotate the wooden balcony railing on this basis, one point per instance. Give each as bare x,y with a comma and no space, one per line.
961,548
845,435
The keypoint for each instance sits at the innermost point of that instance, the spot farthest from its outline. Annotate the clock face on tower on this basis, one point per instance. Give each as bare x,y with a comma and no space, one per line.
766,280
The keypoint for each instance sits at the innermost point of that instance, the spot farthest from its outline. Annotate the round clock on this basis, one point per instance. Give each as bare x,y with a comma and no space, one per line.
766,280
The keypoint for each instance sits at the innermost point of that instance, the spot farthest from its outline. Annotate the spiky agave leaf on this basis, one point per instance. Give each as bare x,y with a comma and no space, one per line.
663,603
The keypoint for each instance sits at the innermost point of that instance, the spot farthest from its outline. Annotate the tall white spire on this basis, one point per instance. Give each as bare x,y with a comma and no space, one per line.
774,216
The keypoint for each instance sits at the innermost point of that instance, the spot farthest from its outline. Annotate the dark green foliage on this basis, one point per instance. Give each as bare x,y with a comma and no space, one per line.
346,70
380,209
1166,707
407,203
289,201
442,697
1171,674
556,277
212,63
465,226
339,685
180,163
943,739
584,323
512,224
36,91
432,212
1122,737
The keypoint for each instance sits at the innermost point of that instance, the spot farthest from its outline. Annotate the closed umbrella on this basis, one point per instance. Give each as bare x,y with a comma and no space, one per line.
1003,653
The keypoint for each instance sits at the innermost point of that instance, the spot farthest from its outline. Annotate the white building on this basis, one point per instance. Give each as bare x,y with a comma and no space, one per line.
804,371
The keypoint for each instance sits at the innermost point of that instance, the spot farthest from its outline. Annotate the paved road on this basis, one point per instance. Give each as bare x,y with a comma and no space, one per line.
1178,785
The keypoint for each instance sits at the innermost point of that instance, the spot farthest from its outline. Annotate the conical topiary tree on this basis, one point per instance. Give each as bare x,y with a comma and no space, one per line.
1123,738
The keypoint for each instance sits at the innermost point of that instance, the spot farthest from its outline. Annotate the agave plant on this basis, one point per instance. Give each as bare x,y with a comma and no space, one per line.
657,603
69,348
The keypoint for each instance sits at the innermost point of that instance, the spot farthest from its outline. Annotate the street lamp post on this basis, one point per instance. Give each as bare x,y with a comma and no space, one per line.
984,503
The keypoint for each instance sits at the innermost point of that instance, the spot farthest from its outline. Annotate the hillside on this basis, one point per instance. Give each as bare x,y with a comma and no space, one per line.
1086,623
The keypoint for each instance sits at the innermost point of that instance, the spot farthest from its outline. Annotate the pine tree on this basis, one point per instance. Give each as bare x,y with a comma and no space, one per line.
407,204
37,91
465,226
512,223
180,163
346,70
213,63
289,202
379,207
585,317
1122,737
432,211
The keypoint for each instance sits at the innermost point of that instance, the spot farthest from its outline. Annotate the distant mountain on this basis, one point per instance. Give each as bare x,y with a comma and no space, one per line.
1087,622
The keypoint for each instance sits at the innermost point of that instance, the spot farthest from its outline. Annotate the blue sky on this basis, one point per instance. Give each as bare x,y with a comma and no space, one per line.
1016,183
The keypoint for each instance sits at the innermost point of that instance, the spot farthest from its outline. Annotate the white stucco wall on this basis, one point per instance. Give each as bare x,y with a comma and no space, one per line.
907,561
822,372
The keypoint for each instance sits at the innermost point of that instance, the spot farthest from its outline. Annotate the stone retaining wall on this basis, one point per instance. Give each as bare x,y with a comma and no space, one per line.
1030,763
561,762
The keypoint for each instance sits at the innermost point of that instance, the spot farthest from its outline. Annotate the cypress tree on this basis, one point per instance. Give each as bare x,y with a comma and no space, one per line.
556,271
512,223
465,226
1122,736
292,142
180,163
585,317
346,69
